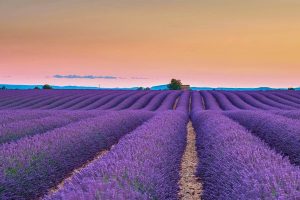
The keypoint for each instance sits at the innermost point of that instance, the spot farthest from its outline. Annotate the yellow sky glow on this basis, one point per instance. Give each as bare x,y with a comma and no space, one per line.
205,43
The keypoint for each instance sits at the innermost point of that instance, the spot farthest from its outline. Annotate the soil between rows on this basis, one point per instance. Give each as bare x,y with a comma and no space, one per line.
189,184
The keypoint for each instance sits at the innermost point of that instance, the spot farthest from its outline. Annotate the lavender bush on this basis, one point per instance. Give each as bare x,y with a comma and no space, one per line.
31,102
234,164
143,101
14,131
281,100
287,97
143,165
89,101
116,101
102,101
169,102
73,102
210,101
281,133
238,102
44,103
197,102
30,166
223,101
59,102
129,101
293,114
268,101
156,101
183,103
254,102
12,116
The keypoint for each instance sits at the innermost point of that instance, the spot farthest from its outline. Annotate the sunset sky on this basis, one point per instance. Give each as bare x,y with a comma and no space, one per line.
228,43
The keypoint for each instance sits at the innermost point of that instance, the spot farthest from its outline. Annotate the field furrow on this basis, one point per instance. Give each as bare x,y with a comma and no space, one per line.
31,166
144,144
281,133
234,164
127,172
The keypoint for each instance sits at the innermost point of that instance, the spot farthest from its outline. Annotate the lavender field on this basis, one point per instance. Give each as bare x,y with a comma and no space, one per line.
110,144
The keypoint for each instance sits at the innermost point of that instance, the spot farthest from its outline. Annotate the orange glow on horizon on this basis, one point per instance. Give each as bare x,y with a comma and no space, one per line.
217,43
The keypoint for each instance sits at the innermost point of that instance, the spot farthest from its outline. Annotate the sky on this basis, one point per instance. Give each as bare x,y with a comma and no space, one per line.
124,43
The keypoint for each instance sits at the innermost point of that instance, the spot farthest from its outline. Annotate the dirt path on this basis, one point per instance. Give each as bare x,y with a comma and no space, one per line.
190,186
175,103
203,103
74,172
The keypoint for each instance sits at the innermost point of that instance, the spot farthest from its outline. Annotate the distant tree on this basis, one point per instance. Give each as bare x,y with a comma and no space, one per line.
47,87
290,88
175,84
3,88
142,88
36,88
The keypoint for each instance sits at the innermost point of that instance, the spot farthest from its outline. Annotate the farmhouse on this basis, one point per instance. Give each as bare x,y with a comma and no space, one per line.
185,87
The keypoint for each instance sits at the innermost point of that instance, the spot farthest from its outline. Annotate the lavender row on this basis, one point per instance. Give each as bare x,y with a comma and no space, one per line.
29,97
74,101
51,100
30,166
89,101
61,101
223,101
14,131
129,101
281,133
197,103
115,101
169,101
143,101
293,114
254,102
102,101
143,165
184,102
156,101
15,96
210,101
282,100
18,101
270,102
47,102
238,102
234,164
12,116
147,100
288,97
23,103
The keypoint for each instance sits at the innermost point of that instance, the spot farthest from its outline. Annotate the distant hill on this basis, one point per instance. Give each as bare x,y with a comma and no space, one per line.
165,87
28,87
157,87
237,89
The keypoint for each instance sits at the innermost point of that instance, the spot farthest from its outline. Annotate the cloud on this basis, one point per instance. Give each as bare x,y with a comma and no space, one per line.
73,76
84,77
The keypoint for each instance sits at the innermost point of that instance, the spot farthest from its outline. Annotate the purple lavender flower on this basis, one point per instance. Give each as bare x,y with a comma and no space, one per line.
32,165
234,164
143,165
281,133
